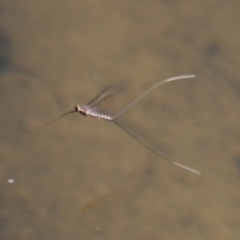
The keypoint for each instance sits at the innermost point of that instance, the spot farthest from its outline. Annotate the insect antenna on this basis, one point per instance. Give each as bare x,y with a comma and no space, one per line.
59,118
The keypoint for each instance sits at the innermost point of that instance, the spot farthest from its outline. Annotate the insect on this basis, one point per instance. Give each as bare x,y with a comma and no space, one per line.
89,110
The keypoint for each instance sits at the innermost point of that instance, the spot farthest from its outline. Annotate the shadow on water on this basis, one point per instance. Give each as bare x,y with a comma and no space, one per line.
6,63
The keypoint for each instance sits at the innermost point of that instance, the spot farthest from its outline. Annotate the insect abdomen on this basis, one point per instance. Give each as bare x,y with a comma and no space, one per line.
100,116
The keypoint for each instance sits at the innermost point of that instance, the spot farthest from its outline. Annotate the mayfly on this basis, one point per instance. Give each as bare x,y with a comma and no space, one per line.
89,110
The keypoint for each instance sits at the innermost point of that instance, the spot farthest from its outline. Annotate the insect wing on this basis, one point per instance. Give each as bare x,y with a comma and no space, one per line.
107,92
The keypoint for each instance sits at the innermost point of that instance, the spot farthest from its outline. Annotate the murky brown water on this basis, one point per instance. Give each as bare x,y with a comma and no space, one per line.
85,179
